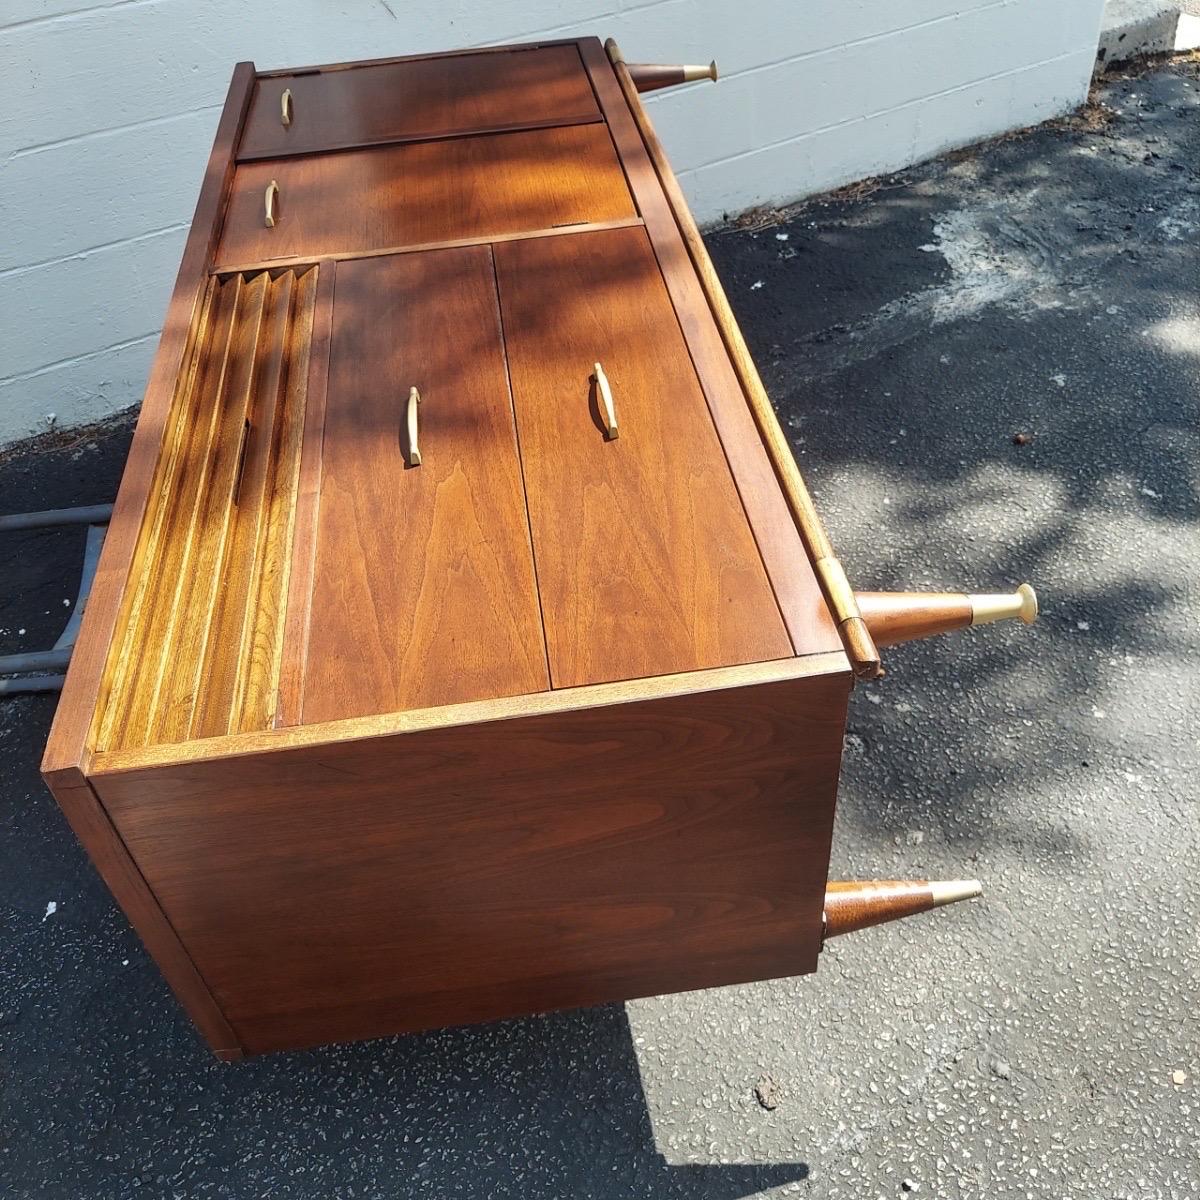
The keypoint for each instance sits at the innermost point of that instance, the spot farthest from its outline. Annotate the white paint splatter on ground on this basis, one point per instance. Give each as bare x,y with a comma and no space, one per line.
1181,225
51,909
995,258
1178,335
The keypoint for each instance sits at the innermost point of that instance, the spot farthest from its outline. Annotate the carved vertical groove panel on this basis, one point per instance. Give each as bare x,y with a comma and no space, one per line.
213,551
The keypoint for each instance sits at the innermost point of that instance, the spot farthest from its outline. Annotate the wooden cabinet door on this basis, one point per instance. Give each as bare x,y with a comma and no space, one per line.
646,562
423,587
416,99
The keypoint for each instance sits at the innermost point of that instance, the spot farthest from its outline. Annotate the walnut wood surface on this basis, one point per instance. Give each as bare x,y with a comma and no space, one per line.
646,564
111,858
426,192
418,99
308,497
423,56
851,905
264,264
198,651
245,644
779,540
431,878
424,590
852,628
894,617
469,713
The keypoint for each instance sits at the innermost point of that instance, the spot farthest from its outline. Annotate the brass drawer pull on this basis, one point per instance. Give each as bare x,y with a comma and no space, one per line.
271,199
285,106
607,412
414,451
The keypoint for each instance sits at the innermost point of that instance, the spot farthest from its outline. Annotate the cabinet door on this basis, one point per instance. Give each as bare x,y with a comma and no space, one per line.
423,590
646,562
415,99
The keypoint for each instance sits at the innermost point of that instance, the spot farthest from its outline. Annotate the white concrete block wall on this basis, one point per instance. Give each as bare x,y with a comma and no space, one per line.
108,108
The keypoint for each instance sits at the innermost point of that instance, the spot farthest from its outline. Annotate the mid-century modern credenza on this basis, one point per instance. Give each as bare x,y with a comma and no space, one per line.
465,643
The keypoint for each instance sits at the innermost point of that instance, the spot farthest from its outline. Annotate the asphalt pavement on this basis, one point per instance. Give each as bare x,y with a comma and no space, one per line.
1039,1043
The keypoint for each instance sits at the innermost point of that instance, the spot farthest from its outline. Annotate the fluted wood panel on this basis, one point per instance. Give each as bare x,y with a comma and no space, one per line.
197,649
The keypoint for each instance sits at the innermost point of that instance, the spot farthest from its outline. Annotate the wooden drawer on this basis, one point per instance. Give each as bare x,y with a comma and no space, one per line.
417,99
427,192
646,563
423,589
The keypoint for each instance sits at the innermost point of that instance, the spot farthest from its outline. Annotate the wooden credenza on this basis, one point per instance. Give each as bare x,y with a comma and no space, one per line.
462,646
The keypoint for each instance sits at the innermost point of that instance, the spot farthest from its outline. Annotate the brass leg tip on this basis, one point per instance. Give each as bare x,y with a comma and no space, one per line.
951,891
1029,603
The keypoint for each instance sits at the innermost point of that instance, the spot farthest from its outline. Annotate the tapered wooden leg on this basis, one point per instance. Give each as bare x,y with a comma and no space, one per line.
905,616
649,77
859,904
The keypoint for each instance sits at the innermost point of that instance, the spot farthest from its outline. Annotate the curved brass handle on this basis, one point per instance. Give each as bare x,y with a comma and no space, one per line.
414,451
607,410
285,106
270,199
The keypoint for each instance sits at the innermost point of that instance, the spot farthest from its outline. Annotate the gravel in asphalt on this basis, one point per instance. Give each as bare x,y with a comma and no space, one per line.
1040,1043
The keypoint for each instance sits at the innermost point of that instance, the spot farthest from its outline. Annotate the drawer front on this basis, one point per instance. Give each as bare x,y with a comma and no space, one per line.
646,563
426,192
423,589
415,100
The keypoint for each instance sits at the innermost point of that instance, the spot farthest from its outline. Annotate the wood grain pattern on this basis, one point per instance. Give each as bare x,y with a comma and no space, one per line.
194,548
426,192
294,647
894,617
419,99
425,55
851,627
253,744
424,589
111,858
264,264
237,686
197,652
646,564
83,692
851,905
779,539
431,879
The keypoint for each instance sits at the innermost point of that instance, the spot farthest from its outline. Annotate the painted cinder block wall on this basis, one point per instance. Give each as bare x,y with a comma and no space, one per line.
108,110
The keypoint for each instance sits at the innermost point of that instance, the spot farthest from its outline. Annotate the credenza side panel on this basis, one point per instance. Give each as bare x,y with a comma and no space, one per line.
467,873
68,745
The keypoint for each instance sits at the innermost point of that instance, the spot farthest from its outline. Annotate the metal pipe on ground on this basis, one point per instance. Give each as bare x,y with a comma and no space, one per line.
92,514
35,660
31,683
